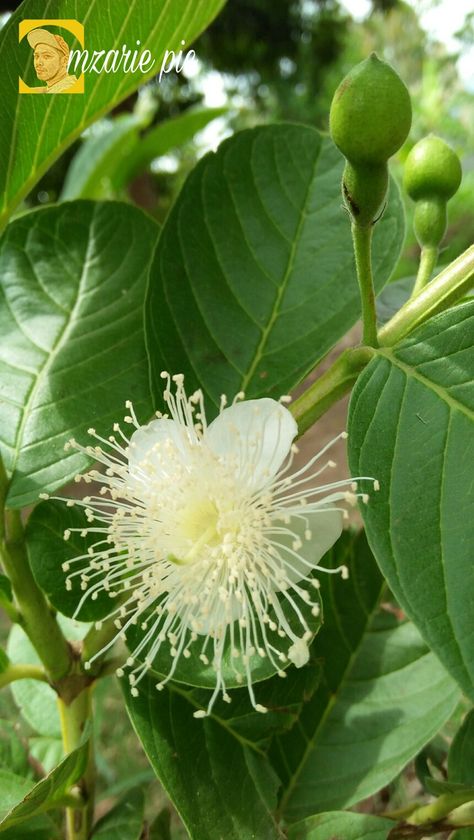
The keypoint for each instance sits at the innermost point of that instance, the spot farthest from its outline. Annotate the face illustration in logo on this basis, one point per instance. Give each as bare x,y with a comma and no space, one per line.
51,54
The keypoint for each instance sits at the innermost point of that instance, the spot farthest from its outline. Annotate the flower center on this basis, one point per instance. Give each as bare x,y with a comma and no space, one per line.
199,526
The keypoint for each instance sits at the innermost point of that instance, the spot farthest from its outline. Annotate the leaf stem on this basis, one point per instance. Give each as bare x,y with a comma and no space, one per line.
362,241
448,287
428,260
74,717
22,672
330,387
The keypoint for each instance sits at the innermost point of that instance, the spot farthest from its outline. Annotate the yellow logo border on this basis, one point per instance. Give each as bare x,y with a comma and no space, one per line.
71,25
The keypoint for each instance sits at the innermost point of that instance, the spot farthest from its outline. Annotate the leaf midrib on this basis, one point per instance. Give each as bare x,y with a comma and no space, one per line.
439,390
56,347
284,284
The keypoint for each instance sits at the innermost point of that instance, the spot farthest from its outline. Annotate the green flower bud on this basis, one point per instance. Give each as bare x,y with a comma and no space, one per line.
432,176
432,169
369,120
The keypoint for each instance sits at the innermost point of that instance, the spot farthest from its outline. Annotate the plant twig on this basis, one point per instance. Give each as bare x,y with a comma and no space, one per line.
362,241
74,717
449,286
428,260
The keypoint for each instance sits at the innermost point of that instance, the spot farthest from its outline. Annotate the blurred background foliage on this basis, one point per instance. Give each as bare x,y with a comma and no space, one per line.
261,61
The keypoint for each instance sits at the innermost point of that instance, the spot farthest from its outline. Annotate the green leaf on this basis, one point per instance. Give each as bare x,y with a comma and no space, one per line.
439,786
47,551
47,751
160,829
341,826
13,755
461,754
58,120
192,759
36,701
24,799
256,245
100,155
382,695
124,821
72,280
411,427
38,828
12,789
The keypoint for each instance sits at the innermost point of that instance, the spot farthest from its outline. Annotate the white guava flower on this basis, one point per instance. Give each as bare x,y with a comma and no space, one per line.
206,539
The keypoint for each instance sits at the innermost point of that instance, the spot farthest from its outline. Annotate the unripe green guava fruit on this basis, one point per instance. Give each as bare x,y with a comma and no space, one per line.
432,170
370,113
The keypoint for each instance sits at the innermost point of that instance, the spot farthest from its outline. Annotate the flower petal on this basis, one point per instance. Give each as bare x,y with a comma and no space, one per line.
301,554
154,448
254,437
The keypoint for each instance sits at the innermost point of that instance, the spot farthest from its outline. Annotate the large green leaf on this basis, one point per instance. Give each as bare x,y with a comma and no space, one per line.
254,278
338,824
411,427
72,350
36,129
21,799
124,821
198,763
382,696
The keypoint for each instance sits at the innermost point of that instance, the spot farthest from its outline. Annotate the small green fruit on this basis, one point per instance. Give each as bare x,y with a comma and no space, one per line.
432,169
432,176
369,120
370,113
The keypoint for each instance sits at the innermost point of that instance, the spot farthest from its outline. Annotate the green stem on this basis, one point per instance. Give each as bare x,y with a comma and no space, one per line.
22,672
74,717
34,612
428,260
448,287
330,387
362,241
440,808
36,617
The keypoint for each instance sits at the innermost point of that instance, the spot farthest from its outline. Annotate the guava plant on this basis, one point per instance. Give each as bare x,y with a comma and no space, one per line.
277,667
